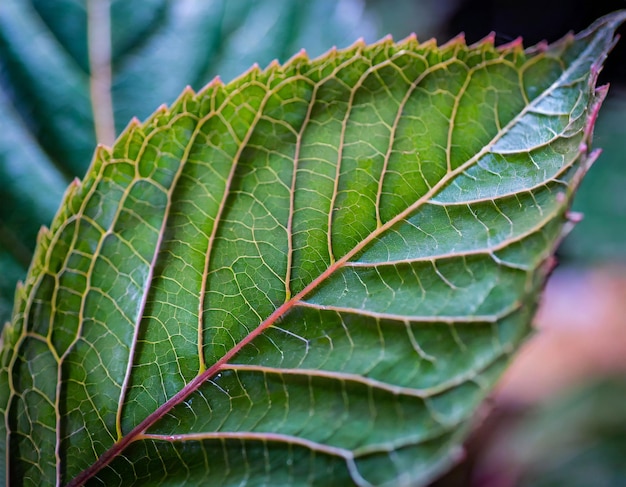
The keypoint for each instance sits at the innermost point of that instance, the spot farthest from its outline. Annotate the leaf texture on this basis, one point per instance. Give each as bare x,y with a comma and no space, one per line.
309,276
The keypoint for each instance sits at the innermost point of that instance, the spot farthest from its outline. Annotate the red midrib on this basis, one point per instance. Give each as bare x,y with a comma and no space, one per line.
109,455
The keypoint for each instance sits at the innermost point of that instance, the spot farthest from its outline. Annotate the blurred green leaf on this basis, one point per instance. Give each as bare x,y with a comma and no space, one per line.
577,439
158,47
309,276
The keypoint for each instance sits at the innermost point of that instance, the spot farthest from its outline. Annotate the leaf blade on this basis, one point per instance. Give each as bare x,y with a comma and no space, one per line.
256,329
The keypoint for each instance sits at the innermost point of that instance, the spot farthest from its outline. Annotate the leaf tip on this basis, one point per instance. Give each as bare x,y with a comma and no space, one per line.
610,21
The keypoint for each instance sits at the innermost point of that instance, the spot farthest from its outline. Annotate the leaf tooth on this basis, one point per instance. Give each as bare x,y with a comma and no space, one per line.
133,125
302,56
158,115
456,41
539,48
216,82
488,42
331,53
431,43
213,85
43,233
187,94
600,95
410,39
360,43
250,74
516,44
593,156
273,65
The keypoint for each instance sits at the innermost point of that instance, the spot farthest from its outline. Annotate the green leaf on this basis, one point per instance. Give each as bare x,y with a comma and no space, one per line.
54,54
309,276
576,439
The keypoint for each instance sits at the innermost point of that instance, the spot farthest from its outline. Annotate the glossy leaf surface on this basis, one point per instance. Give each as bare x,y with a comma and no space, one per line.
309,276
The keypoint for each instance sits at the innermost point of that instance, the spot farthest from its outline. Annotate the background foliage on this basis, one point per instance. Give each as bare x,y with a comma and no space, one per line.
45,94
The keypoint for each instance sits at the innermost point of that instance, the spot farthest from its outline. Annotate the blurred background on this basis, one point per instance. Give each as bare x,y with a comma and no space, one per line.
74,72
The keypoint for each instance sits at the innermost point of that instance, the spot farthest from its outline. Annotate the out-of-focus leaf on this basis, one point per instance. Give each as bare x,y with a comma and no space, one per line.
601,236
404,17
309,276
158,47
576,440
30,189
